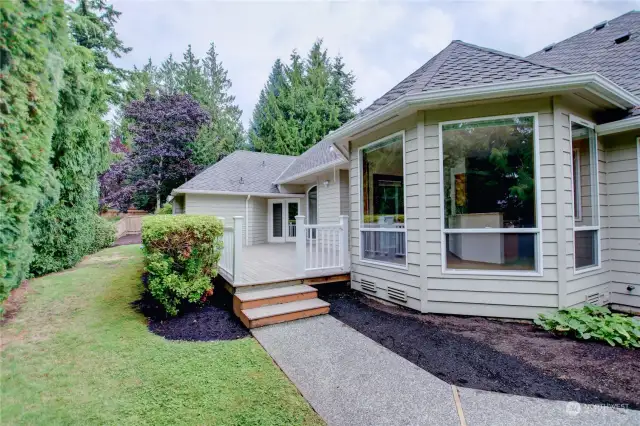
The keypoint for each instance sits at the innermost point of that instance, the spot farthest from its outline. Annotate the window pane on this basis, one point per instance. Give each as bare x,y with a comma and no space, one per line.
383,184
583,143
489,173
384,246
494,252
586,249
277,220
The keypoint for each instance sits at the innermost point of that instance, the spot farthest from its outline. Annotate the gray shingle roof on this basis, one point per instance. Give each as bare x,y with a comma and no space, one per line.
242,171
318,155
597,51
462,64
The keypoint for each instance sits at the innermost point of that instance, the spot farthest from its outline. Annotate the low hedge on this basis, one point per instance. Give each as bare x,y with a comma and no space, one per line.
167,208
181,257
105,234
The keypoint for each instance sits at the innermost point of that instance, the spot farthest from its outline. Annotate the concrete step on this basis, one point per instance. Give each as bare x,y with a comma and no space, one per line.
283,312
272,296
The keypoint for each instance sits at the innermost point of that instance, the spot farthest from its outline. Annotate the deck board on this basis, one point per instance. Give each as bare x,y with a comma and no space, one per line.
274,262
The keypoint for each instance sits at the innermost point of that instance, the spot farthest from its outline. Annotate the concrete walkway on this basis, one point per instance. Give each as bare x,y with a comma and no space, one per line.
351,380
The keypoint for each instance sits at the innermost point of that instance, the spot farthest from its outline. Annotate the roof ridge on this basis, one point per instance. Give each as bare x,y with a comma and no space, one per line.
511,56
435,71
263,153
587,30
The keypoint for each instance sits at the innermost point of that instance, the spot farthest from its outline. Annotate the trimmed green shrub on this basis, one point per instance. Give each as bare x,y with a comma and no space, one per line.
181,258
105,234
167,208
593,322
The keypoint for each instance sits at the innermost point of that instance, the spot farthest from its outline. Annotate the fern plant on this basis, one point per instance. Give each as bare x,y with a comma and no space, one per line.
593,322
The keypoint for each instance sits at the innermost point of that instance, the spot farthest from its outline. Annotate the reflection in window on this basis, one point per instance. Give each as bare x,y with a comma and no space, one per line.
489,188
383,234
585,196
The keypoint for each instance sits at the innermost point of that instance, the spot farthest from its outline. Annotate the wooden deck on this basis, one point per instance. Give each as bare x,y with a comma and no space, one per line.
269,263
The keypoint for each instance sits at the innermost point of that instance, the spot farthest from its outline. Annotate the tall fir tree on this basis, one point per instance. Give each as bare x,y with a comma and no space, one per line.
302,103
191,77
225,133
168,76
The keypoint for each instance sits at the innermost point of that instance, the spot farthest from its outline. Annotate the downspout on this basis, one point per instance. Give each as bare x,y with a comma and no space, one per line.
246,215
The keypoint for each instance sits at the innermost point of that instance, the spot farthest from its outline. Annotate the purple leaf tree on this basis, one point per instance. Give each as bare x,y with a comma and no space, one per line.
163,128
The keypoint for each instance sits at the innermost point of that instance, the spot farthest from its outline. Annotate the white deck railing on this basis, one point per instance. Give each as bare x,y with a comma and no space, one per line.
321,247
230,263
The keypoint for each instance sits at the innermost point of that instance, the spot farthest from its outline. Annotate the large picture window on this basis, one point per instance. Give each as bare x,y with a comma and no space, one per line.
489,195
584,167
382,213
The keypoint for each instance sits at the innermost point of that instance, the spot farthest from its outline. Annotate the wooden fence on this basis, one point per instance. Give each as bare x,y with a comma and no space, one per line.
129,225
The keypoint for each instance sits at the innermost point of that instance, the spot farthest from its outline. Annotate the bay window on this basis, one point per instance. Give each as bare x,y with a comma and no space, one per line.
489,194
382,212
584,165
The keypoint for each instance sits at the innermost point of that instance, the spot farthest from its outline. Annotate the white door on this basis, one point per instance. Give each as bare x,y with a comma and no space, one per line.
276,219
293,210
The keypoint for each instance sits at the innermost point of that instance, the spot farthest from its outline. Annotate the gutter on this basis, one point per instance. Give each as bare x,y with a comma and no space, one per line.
246,218
315,170
618,126
253,194
592,82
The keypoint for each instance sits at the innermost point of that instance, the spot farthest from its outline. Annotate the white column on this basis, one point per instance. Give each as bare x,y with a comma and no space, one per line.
344,243
237,249
301,243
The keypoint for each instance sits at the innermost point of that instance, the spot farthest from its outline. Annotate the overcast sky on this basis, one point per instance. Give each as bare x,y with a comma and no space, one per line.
382,42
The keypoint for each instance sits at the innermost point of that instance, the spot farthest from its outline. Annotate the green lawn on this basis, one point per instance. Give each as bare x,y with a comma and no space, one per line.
77,353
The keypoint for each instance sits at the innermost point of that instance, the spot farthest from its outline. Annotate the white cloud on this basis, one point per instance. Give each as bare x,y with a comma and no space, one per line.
381,42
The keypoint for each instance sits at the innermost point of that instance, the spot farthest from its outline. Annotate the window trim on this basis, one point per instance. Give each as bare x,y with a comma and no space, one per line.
574,176
360,204
593,157
539,271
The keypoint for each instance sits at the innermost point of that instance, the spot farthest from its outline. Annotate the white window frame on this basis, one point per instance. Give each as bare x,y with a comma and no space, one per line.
404,213
575,176
593,159
538,206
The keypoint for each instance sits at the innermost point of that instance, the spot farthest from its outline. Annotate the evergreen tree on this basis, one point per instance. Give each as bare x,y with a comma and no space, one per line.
168,76
32,36
261,132
190,76
93,27
225,133
302,102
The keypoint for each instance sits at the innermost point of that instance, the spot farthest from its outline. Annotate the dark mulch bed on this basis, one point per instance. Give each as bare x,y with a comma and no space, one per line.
213,321
494,355
128,239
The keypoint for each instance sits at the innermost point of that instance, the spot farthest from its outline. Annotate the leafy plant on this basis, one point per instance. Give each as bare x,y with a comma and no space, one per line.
167,208
593,322
104,234
181,257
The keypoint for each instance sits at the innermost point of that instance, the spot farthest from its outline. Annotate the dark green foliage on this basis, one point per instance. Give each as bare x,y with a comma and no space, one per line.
593,322
181,257
64,228
302,102
32,36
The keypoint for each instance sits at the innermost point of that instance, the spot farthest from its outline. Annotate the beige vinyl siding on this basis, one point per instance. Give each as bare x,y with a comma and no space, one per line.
344,192
579,285
328,197
384,277
178,205
226,206
505,296
624,215
258,220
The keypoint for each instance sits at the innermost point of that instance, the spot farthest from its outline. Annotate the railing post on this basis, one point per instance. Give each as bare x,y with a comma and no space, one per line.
237,249
301,243
345,251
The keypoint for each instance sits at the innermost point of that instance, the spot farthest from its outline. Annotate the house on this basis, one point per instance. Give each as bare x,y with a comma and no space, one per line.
482,184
